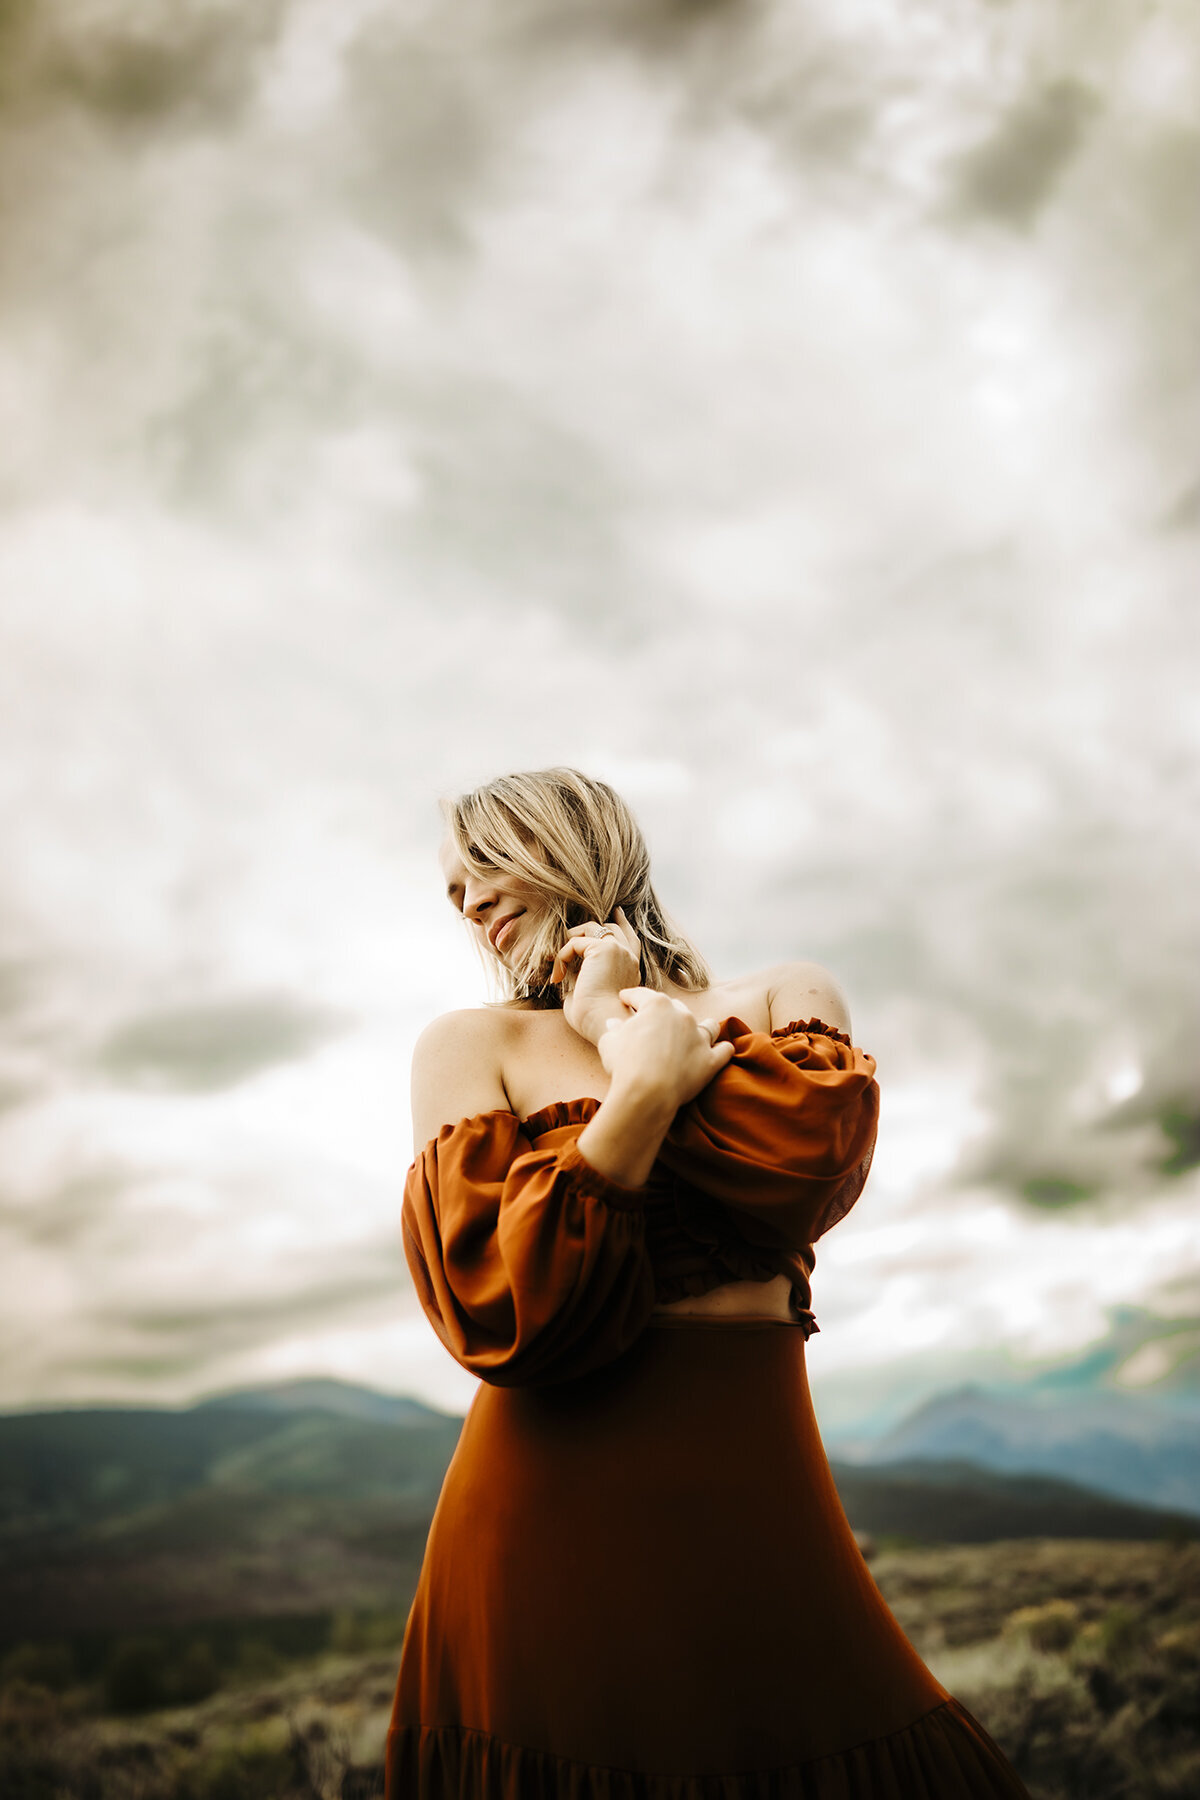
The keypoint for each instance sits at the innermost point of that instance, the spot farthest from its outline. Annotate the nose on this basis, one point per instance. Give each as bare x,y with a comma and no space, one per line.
478,898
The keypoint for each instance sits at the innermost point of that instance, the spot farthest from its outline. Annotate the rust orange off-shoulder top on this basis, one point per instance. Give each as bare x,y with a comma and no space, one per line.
534,1268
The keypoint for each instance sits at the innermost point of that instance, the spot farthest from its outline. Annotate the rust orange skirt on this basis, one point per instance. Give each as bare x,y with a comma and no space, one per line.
642,1586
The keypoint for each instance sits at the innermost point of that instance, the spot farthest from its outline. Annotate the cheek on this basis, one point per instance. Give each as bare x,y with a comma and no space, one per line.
533,903
531,938
539,919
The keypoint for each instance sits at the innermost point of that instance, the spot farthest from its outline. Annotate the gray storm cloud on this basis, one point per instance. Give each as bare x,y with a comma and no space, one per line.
200,1048
789,413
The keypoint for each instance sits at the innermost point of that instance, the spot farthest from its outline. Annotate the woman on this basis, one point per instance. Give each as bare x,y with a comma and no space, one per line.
639,1582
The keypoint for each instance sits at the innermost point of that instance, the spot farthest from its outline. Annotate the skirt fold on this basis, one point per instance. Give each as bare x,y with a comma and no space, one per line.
946,1755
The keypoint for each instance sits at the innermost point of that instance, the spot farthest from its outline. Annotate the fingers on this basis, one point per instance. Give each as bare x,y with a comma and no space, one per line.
642,996
583,941
566,955
638,996
570,953
590,930
618,926
578,946
635,997
632,941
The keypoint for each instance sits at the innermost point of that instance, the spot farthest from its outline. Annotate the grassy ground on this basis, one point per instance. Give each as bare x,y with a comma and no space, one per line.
1081,1659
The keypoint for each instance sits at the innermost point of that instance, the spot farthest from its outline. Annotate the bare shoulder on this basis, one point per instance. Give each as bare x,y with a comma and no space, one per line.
803,990
456,1069
455,1031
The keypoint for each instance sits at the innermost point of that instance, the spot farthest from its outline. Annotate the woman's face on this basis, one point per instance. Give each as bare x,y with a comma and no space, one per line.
499,909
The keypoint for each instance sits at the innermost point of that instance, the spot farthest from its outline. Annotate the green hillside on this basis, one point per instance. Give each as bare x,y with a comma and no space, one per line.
959,1503
313,1498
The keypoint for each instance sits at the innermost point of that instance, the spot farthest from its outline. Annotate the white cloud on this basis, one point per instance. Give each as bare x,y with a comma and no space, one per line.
681,399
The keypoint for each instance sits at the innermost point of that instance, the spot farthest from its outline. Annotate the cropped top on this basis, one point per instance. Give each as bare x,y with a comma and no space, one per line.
533,1267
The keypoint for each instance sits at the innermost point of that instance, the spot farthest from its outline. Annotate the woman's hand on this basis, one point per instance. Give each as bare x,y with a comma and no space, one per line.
594,969
659,1050
659,1057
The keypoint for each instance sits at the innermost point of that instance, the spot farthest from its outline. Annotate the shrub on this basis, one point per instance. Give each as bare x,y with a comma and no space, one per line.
1181,1646
135,1676
363,1782
194,1675
39,1665
1122,1633
352,1634
249,1772
257,1660
347,1634
1053,1626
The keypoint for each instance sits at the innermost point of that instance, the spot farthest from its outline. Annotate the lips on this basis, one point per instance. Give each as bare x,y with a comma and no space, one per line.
499,927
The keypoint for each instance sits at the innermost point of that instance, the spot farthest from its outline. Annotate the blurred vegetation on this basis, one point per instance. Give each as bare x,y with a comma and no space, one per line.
288,1708
1081,1658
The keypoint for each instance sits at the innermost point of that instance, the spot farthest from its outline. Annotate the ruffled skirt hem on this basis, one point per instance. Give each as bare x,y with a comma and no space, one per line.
944,1755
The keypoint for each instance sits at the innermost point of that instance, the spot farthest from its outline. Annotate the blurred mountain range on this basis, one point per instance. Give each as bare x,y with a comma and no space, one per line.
314,1496
1117,1444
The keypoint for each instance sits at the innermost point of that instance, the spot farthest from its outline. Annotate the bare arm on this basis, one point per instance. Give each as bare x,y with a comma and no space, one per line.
659,1057
623,1138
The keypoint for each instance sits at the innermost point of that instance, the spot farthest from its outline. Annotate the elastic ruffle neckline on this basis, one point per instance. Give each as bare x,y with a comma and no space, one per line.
558,1113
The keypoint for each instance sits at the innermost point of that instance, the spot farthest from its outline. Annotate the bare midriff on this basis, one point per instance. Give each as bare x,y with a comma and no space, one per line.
736,1301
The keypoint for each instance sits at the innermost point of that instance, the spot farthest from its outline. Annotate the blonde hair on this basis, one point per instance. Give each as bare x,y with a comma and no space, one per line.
575,842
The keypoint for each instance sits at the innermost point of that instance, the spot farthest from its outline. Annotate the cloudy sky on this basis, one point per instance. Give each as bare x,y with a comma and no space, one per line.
787,412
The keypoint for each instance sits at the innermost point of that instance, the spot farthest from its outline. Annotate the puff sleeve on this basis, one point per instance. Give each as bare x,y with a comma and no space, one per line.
530,1264
784,1134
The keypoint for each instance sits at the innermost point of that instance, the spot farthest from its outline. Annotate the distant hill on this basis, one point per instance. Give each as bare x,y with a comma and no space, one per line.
62,1471
322,1394
316,1496
300,1499
1117,1444
959,1503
